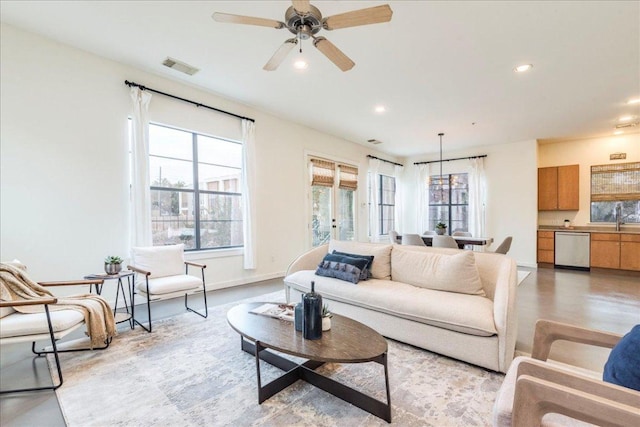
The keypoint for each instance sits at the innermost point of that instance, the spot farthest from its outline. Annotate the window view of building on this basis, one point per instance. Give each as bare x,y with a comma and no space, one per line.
449,202
195,189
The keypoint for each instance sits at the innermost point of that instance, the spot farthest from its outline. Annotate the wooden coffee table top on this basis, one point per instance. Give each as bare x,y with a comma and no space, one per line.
348,341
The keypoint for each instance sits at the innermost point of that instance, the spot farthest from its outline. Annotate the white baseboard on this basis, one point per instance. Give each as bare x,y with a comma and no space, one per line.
244,281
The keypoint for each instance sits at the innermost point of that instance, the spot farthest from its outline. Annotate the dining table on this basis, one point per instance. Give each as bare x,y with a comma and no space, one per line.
460,240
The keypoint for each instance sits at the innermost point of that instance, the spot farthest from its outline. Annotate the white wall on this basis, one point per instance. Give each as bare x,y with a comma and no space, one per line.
511,209
586,153
64,164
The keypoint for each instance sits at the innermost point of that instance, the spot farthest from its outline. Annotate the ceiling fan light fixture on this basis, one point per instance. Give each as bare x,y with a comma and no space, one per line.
380,109
523,68
300,64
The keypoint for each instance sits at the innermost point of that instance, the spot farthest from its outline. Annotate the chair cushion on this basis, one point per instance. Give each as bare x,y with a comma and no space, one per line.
381,265
170,284
20,324
623,366
160,261
437,271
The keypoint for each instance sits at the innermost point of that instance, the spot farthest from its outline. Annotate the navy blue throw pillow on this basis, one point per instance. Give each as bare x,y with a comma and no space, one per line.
341,267
366,272
623,366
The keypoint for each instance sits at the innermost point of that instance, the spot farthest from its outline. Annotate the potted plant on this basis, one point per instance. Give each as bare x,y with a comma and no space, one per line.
326,318
441,228
112,264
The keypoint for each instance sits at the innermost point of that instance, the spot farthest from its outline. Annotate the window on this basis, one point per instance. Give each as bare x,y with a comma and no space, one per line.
195,189
612,185
387,203
449,201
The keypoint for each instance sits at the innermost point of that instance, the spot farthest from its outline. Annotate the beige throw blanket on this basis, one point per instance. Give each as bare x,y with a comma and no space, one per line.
15,285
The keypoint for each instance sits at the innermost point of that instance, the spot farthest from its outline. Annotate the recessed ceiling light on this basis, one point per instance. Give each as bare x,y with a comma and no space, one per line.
380,109
634,101
522,68
625,118
301,64
618,132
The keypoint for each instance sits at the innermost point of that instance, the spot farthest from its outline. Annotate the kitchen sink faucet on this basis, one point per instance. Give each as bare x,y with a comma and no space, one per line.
618,216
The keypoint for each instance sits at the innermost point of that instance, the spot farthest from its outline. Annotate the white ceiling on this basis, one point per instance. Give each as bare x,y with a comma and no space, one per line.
437,66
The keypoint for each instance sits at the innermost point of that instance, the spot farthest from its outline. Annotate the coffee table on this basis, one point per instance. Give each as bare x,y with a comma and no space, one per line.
348,341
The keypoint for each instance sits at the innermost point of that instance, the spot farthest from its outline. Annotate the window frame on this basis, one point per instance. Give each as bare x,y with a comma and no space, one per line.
381,205
196,191
615,194
449,205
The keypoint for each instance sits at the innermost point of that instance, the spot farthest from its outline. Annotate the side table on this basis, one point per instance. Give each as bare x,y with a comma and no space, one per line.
119,317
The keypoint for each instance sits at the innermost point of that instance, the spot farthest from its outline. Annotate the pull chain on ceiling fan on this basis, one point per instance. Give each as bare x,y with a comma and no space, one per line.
305,21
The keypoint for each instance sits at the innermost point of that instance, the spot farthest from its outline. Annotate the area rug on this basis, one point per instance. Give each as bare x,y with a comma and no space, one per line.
191,372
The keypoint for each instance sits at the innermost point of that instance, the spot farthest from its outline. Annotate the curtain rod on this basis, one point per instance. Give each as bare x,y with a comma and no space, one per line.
383,160
448,160
197,104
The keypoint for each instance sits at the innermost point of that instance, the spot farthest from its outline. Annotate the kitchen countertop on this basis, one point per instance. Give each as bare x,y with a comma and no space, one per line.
592,229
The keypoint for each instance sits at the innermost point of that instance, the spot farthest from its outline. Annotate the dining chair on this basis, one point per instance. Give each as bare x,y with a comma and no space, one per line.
429,233
393,237
412,239
444,242
504,246
465,234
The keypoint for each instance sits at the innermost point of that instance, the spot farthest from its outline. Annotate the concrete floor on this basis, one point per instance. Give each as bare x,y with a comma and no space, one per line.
598,299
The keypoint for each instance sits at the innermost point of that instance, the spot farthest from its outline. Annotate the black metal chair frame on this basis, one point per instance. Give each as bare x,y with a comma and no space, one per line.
55,351
186,295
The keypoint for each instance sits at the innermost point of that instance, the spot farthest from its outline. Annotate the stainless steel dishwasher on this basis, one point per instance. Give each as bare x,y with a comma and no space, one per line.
572,250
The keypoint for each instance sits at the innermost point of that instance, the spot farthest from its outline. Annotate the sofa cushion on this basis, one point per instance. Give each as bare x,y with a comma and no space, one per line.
366,273
623,365
469,314
170,284
381,265
18,324
342,267
438,271
161,261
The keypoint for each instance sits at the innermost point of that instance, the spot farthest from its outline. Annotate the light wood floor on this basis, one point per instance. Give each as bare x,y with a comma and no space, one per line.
598,299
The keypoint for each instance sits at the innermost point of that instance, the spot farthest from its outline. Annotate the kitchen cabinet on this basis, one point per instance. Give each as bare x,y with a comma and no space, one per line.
630,252
559,188
546,245
619,251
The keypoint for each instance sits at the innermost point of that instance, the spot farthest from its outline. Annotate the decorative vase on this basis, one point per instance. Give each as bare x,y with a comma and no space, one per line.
326,323
440,231
312,319
112,268
298,314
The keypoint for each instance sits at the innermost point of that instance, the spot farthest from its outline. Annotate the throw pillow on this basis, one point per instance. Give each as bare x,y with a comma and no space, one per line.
623,366
380,268
366,273
341,267
435,270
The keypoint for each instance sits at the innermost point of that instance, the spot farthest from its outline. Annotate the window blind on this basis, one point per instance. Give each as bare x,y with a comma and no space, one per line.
322,172
348,177
616,182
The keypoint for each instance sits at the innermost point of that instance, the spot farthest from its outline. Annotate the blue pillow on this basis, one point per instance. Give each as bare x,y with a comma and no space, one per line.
366,273
623,366
341,267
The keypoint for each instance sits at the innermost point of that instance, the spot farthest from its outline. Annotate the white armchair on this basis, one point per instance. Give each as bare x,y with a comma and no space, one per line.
536,392
17,327
162,273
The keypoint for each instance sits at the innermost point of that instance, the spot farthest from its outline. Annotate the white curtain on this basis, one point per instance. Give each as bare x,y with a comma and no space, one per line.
423,172
248,189
477,196
140,221
399,201
374,213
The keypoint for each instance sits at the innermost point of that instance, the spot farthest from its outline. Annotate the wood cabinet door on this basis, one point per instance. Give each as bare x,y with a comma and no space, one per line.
630,252
605,250
569,188
548,189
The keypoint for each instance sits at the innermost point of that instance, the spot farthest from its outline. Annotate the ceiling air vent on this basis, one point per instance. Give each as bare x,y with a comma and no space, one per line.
626,125
180,66
374,141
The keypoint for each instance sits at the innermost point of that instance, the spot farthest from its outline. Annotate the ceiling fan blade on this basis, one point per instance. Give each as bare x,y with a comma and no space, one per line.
247,20
371,15
280,54
334,54
301,6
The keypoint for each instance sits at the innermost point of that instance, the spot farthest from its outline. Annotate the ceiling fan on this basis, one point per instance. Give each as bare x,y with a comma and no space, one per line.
305,21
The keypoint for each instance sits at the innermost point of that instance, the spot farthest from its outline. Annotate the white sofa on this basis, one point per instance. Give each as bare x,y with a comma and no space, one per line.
457,303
